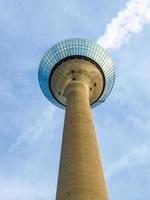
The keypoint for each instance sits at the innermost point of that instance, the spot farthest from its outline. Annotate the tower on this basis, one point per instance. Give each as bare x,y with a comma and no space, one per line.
77,74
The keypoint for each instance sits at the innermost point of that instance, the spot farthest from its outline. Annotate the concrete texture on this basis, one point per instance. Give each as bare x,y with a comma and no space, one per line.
77,69
80,174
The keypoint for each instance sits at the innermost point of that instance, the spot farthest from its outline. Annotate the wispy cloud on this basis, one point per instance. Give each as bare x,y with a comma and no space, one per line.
129,20
31,135
13,188
137,156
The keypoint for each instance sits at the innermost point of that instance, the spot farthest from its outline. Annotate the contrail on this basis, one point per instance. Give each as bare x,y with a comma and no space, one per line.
130,20
30,135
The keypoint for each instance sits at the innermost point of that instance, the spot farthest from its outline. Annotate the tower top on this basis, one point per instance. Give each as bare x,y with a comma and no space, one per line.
76,59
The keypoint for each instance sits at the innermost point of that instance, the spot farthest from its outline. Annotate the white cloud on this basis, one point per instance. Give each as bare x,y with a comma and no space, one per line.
128,21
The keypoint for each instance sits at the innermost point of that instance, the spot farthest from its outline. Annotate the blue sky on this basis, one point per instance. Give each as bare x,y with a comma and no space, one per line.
31,127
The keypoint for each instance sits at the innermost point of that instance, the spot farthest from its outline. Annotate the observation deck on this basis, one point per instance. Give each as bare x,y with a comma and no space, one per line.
76,59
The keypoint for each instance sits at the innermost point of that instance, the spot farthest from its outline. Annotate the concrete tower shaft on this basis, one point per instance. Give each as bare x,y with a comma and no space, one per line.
78,74
80,174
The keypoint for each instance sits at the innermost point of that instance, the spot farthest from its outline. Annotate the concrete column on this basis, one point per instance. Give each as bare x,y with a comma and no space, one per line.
80,174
